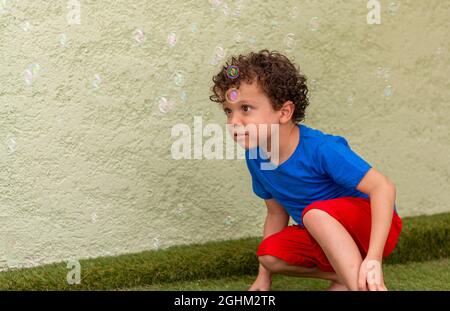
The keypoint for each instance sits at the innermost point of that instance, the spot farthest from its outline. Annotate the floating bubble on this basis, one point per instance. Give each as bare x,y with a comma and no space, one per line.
314,24
225,9
139,35
252,40
274,24
63,39
232,95
238,37
194,28
172,39
314,84
97,81
294,12
350,100
26,25
165,105
219,54
156,243
232,72
11,144
178,78
388,91
5,6
94,217
183,96
216,3
382,72
228,220
393,8
289,41
180,208
31,73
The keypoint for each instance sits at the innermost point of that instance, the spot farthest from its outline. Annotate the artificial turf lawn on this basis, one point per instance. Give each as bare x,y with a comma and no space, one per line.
430,275
423,238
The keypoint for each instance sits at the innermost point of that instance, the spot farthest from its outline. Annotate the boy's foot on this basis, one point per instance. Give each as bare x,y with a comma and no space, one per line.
335,286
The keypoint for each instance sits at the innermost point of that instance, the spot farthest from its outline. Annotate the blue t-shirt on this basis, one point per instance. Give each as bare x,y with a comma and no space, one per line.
322,167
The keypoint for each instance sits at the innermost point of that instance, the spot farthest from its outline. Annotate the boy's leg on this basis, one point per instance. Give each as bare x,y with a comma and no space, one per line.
337,244
278,266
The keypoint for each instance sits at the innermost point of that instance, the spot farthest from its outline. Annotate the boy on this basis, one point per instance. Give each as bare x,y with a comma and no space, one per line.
344,208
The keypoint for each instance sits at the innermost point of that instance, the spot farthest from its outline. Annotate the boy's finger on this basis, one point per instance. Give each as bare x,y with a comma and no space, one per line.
373,287
362,281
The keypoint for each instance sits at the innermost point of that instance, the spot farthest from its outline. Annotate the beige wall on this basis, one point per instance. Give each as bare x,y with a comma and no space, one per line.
86,167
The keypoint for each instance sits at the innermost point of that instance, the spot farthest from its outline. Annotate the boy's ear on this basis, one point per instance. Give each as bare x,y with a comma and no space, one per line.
286,111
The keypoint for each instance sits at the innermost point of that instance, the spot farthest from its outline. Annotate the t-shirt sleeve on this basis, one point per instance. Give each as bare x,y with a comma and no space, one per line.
341,163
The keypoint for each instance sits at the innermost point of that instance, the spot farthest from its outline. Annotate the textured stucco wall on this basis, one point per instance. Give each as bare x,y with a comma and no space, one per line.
86,168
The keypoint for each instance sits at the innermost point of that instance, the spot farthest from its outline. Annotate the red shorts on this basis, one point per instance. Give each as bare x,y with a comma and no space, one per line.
296,246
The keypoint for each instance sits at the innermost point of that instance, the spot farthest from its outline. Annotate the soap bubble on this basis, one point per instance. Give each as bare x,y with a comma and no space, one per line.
156,243
194,28
172,39
252,40
225,9
219,54
388,91
165,105
63,39
31,73
382,72
232,72
26,25
180,208
11,144
238,37
294,12
232,95
274,24
139,35
314,24
94,217
178,78
216,3
5,6
97,81
393,8
228,220
183,96
314,84
350,100
289,41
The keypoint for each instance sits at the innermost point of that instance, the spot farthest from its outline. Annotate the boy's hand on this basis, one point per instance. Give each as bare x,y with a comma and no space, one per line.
262,283
371,275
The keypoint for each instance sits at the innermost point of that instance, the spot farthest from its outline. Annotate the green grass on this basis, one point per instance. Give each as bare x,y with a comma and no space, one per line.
431,275
423,238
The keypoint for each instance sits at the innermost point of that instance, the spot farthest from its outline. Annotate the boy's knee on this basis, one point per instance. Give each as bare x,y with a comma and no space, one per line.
271,263
313,216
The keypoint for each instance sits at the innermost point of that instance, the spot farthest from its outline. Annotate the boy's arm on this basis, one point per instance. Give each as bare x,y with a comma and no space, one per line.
382,194
277,218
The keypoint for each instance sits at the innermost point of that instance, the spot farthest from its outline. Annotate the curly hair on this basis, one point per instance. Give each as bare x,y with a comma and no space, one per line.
276,75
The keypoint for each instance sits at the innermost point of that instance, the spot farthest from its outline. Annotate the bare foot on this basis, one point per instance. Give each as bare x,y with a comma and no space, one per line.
335,286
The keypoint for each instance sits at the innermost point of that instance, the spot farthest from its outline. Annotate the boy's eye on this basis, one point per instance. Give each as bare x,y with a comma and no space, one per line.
246,108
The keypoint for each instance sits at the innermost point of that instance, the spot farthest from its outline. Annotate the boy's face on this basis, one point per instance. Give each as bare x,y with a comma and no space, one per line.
249,108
